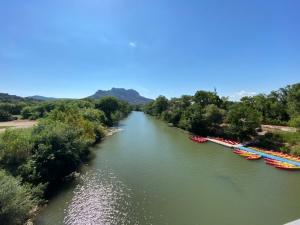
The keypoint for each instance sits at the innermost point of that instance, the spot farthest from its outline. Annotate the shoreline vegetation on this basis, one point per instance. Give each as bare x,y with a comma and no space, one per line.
260,120
35,161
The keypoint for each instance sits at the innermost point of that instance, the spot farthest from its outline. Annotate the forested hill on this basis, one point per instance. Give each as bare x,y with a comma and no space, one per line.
42,98
4,97
131,96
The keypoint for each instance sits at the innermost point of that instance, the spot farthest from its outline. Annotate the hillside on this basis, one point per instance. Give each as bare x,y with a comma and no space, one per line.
41,98
128,95
4,97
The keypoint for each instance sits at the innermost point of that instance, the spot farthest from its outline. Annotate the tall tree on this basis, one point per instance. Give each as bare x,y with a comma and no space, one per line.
243,120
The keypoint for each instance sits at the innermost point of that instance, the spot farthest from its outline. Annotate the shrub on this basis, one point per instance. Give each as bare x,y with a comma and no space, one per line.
5,116
295,122
16,200
15,148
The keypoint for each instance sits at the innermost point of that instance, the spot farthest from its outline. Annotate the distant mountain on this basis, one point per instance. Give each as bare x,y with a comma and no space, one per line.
42,98
130,95
4,97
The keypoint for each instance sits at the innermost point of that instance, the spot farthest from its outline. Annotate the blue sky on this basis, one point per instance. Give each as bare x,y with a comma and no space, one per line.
71,48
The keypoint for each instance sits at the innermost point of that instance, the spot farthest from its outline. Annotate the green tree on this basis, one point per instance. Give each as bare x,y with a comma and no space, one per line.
108,105
161,104
243,120
5,116
204,98
193,120
294,99
213,117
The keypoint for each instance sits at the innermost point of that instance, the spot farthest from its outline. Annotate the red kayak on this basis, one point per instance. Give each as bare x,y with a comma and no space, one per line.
198,139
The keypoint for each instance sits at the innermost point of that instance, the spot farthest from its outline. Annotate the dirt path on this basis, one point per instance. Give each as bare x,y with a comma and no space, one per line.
17,124
272,128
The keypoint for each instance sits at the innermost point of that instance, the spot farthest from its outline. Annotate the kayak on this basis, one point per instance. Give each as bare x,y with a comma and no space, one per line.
198,139
288,167
253,157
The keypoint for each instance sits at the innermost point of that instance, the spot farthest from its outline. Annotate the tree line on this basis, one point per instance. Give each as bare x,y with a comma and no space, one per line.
34,161
206,113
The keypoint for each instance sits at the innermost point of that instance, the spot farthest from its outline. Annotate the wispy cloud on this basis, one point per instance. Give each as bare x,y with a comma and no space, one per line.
238,95
132,44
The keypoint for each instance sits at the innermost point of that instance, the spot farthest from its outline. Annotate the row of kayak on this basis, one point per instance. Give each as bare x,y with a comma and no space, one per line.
279,154
281,165
253,156
247,155
276,163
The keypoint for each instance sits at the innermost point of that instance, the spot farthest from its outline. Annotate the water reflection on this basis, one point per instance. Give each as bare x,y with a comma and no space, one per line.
100,198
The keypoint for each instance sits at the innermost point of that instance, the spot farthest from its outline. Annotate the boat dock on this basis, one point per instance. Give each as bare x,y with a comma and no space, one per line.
266,155
223,143
263,154
296,222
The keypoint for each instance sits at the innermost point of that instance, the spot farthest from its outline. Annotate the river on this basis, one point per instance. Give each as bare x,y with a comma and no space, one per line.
150,173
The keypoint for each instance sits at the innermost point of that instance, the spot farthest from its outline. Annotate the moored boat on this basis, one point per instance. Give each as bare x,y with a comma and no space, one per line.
253,157
198,139
288,167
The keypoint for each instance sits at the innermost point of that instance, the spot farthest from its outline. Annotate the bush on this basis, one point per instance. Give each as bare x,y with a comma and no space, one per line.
16,200
15,148
5,116
59,149
295,122
94,115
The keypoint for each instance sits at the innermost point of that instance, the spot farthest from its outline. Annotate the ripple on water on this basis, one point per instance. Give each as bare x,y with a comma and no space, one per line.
100,198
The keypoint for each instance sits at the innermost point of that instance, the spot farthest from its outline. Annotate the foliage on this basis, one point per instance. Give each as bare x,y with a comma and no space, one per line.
293,99
160,105
295,122
15,148
12,108
94,115
5,116
59,149
279,106
243,121
16,200
213,116
204,98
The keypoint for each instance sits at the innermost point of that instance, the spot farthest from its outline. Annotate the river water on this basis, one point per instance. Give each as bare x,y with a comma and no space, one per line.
150,173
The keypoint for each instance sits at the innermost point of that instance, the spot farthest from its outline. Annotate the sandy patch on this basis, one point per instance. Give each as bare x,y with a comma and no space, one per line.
17,124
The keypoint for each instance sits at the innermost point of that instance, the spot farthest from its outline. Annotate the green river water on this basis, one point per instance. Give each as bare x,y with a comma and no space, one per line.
150,173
